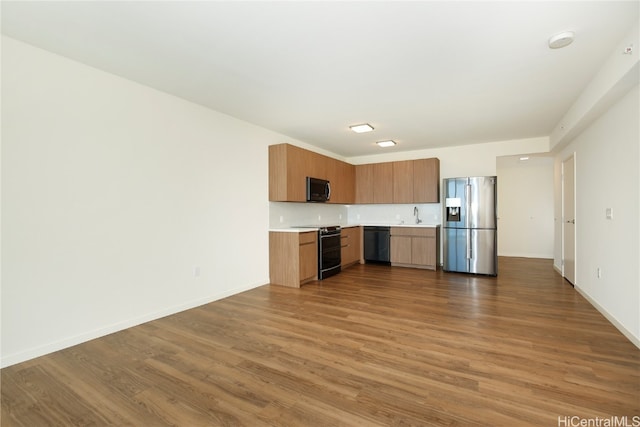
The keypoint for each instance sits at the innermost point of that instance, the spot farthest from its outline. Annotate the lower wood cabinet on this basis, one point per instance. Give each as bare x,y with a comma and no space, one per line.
351,241
417,247
293,258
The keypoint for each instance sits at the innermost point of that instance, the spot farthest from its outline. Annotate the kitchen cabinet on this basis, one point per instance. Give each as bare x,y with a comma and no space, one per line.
308,256
407,181
416,181
426,180
383,181
417,247
364,183
351,243
289,166
342,177
374,183
403,182
293,258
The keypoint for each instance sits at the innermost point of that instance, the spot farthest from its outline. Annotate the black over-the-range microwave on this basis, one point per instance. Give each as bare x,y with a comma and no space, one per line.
318,190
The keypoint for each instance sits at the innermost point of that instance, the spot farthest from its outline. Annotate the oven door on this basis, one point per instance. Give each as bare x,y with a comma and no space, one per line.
329,255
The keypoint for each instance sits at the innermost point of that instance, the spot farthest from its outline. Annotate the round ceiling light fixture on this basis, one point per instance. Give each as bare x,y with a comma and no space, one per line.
561,39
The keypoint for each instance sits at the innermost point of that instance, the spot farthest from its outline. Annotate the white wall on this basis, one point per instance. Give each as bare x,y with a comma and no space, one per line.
607,157
112,193
525,206
617,75
602,129
464,160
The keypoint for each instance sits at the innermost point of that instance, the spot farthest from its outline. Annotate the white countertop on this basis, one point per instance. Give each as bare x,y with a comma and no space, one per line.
293,230
421,225
377,224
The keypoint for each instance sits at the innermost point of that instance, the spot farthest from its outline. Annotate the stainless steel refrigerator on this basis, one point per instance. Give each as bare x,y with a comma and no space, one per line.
470,225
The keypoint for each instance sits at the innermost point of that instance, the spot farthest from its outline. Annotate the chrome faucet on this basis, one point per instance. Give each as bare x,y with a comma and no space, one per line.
416,213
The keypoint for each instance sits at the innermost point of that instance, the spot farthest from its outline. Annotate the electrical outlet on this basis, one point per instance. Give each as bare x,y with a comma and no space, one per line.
281,219
599,272
196,271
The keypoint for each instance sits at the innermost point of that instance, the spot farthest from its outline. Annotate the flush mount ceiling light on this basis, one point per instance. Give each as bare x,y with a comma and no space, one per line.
524,158
365,127
388,143
561,40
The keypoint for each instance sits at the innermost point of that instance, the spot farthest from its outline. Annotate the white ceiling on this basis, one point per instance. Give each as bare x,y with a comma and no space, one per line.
426,74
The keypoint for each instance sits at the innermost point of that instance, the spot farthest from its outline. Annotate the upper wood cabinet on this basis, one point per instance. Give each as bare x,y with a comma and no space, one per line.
408,181
426,180
374,183
342,177
403,182
289,166
364,183
383,183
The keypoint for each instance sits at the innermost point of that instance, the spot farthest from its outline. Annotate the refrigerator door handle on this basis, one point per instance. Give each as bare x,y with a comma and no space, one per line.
469,244
467,196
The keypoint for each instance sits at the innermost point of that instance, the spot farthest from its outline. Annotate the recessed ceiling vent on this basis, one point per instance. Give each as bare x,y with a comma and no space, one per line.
561,40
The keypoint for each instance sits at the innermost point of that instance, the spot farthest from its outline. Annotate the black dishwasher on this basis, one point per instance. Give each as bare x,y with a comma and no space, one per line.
376,244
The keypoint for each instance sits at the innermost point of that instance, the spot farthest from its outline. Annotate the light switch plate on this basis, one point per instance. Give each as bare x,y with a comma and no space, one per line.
609,213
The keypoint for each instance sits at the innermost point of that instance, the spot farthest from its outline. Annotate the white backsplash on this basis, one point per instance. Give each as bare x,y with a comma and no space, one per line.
288,214
429,213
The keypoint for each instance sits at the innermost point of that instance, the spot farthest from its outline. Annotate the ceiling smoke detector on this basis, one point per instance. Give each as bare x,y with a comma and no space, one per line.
561,40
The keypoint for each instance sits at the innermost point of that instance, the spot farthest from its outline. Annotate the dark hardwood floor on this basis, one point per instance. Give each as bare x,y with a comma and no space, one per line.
373,346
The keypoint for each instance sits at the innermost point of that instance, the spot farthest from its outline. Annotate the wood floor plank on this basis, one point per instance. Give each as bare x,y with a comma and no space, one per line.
372,346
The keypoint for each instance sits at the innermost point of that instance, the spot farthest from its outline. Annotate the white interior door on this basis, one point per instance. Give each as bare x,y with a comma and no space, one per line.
569,220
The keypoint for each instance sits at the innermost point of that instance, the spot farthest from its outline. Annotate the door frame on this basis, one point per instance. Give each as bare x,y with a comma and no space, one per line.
572,157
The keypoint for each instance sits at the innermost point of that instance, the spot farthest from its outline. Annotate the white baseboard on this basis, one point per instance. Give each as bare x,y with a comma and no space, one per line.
42,350
635,340
527,255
